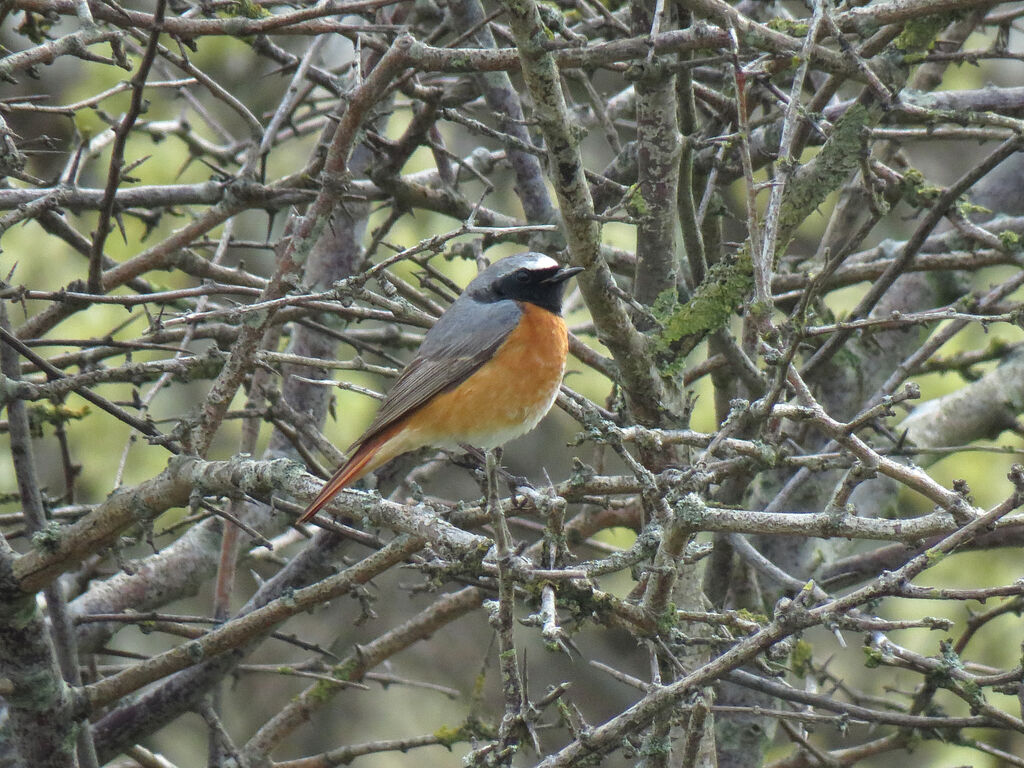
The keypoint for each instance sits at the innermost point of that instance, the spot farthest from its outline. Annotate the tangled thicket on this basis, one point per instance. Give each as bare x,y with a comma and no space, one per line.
757,544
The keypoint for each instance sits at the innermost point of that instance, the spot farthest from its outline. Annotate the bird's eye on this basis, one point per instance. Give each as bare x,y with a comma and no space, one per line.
522,276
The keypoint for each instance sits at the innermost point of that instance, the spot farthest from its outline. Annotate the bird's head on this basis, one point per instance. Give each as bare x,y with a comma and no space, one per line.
530,277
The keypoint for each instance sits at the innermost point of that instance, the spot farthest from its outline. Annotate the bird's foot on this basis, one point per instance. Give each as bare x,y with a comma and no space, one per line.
515,482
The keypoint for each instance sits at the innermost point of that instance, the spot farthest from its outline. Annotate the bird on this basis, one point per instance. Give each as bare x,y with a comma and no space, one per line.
486,372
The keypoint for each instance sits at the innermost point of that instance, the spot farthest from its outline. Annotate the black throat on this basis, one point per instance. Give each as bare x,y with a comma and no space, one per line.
534,287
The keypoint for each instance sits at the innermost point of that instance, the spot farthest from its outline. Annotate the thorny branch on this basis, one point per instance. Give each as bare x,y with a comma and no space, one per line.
797,235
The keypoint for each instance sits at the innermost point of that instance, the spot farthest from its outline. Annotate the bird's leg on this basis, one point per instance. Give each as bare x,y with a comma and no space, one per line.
514,482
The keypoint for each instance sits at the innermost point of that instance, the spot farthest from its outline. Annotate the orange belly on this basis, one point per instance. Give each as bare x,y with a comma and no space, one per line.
505,398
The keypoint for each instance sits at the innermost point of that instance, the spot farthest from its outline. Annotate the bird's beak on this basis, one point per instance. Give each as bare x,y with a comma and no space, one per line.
563,274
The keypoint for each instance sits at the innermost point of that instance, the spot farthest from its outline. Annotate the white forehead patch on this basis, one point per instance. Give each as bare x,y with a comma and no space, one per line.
539,261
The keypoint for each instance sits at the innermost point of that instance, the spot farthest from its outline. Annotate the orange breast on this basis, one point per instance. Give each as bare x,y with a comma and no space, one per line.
504,398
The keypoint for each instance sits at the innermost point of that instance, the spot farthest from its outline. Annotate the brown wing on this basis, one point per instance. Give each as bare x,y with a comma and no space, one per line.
462,340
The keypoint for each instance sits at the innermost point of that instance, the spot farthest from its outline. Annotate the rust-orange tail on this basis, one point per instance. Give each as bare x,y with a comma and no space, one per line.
347,473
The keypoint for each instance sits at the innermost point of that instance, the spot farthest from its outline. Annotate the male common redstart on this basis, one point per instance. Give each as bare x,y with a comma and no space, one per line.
486,372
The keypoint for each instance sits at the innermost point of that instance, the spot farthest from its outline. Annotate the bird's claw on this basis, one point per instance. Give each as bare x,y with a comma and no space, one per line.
515,482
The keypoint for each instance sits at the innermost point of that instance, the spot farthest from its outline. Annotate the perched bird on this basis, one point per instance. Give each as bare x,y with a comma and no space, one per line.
486,372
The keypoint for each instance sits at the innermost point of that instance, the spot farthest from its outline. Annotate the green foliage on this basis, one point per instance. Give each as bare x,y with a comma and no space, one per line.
748,615
729,282
447,736
246,9
726,285
667,620
872,657
915,191
635,204
800,658
839,157
966,208
47,539
653,747
935,556
35,27
53,413
323,690
919,34
1010,240
789,26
